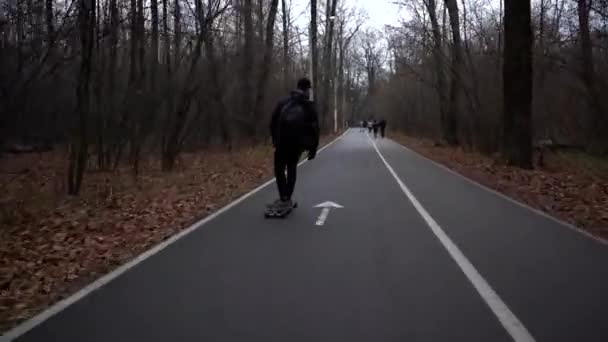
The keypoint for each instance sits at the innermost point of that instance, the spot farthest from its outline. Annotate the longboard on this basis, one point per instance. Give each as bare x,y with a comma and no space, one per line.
273,213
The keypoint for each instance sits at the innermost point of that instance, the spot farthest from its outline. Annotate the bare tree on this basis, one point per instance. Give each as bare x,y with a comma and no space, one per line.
313,46
439,69
149,79
450,130
330,18
50,22
79,146
247,63
154,55
517,78
597,122
285,43
345,37
266,61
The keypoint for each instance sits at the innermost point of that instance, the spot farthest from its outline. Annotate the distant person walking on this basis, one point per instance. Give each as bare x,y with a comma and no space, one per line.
294,129
382,128
370,126
363,125
375,127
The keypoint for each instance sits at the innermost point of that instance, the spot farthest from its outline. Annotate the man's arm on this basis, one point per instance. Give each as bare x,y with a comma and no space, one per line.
314,117
274,122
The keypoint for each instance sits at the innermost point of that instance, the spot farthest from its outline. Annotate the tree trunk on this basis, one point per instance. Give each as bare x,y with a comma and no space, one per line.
79,145
177,37
475,136
97,85
517,79
313,47
439,70
154,66
598,141
166,37
167,86
133,17
216,89
154,55
50,23
36,26
267,61
327,65
453,111
20,35
286,67
247,68
177,130
137,134
111,106
541,41
500,39
260,22
340,71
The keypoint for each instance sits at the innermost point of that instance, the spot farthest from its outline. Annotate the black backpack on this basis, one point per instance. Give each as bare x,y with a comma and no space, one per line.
292,119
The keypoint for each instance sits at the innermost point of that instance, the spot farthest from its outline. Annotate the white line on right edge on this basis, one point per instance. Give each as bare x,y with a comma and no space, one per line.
505,197
507,318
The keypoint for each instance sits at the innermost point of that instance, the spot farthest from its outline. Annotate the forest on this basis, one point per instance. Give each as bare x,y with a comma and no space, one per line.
494,77
115,81
122,114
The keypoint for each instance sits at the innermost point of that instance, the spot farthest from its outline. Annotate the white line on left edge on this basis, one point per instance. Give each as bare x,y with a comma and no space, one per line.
54,309
507,318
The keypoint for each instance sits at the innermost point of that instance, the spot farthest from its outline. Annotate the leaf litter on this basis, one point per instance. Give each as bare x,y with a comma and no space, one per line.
51,245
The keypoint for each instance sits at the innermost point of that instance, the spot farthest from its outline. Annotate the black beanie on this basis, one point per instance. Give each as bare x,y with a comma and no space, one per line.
304,84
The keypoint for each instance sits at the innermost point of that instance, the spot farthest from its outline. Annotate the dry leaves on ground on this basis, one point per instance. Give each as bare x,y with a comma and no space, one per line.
572,187
52,245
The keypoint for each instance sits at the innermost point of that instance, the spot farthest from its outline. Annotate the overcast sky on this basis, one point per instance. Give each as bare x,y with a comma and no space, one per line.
380,12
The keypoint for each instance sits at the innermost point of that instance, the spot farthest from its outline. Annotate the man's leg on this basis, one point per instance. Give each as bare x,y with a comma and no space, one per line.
280,162
292,170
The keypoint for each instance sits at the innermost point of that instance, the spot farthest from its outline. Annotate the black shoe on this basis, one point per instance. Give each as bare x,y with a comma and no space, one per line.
285,205
274,204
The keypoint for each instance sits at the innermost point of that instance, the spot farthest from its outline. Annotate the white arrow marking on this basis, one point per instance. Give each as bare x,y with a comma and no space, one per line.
327,206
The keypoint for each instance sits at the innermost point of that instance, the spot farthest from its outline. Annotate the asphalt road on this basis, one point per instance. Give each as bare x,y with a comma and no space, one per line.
416,254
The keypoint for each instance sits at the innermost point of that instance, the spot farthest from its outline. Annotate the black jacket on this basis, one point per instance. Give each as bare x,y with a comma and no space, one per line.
308,137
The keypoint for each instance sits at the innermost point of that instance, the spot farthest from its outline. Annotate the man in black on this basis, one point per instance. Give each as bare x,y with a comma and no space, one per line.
382,128
294,128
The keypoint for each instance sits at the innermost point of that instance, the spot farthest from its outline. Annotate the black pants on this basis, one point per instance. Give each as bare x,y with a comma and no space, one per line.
382,131
286,159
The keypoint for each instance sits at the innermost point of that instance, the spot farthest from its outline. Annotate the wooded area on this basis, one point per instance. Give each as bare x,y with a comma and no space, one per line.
499,79
156,113
116,82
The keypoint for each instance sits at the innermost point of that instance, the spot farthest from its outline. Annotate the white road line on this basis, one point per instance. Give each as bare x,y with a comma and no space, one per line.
327,207
95,285
322,217
510,199
507,318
